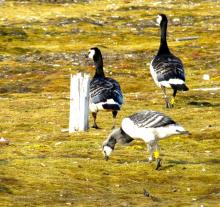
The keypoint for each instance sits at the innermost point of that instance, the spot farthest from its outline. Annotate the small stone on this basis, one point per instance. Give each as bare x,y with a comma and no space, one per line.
65,130
188,189
176,20
130,55
4,141
207,151
146,193
206,77
58,143
124,204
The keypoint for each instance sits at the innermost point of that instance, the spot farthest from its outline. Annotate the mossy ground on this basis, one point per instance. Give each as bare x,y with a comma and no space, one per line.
42,43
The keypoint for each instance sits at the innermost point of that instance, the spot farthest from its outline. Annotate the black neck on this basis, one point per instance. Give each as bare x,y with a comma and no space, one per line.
118,136
112,142
99,67
163,40
127,137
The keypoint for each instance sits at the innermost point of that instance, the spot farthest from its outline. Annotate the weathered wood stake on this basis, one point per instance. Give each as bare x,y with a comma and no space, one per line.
79,102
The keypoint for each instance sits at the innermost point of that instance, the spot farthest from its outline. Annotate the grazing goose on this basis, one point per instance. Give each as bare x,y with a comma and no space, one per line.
105,93
166,69
150,126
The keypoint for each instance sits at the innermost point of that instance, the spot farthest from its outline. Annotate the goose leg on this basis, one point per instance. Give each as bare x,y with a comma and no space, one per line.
168,105
114,114
151,157
151,149
94,115
173,98
156,156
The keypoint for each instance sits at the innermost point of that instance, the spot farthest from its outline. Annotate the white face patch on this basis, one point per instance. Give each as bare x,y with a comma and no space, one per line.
159,19
91,54
107,150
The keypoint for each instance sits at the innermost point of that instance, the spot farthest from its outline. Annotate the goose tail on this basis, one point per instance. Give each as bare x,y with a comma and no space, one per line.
183,132
111,106
180,87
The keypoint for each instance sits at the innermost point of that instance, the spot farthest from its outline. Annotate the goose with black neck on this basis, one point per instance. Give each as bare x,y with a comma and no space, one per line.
149,126
105,93
166,69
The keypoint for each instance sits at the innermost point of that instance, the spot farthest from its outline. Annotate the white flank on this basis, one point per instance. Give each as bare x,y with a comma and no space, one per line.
176,81
154,75
135,132
171,81
107,150
96,107
99,106
91,54
111,101
165,84
149,134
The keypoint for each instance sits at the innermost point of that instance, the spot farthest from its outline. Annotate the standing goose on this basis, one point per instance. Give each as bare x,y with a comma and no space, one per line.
166,69
105,93
150,126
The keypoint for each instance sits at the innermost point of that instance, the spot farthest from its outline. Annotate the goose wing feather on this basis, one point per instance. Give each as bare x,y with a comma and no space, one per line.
150,119
168,67
102,89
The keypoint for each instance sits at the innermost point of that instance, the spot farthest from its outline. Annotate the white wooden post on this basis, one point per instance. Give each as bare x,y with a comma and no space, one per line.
79,102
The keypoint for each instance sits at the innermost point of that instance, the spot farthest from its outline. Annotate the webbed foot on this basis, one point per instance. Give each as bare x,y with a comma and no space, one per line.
95,126
168,105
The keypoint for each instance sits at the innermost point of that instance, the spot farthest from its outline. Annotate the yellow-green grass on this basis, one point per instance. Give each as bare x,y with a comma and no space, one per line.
42,43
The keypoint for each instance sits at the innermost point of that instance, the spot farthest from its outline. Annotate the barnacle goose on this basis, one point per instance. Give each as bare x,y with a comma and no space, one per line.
150,126
105,93
166,69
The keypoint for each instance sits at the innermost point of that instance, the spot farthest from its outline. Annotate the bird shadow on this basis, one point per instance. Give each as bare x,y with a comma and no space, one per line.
184,162
4,182
4,189
203,104
167,164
